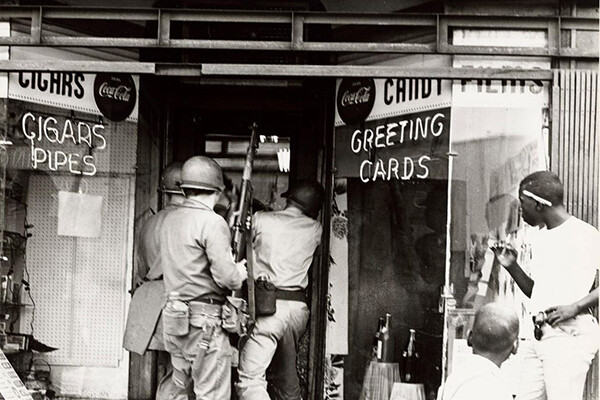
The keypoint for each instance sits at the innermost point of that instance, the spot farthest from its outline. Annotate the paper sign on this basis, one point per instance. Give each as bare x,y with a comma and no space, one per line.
79,214
11,386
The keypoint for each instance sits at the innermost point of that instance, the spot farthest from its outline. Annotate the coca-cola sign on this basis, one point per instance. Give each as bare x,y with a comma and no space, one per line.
115,95
355,99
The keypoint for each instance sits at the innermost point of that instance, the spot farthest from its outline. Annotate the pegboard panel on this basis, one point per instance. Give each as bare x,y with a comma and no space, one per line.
78,283
113,146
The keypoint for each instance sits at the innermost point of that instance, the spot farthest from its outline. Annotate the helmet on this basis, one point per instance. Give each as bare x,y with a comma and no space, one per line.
171,178
201,172
308,196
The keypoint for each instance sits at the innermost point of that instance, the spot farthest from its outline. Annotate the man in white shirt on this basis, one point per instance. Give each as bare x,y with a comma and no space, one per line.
284,244
565,258
494,338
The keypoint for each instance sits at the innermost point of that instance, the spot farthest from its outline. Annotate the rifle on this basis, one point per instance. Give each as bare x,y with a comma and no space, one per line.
242,220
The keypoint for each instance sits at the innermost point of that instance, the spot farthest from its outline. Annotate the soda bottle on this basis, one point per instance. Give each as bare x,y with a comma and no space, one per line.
409,359
387,340
377,342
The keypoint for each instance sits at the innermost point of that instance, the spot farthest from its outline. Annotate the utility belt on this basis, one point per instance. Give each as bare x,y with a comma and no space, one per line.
229,313
267,295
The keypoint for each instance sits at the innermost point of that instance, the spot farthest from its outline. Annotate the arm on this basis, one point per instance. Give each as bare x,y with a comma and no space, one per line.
226,273
558,314
507,257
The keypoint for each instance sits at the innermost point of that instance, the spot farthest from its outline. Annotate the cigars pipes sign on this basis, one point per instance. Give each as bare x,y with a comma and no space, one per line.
62,143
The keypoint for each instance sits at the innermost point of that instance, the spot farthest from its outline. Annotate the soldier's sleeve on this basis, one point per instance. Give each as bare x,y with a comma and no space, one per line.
218,250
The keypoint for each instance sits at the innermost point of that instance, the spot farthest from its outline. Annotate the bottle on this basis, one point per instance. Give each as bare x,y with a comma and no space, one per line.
377,343
387,340
409,359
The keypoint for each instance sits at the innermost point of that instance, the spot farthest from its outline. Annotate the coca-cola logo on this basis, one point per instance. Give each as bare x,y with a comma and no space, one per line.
115,95
355,99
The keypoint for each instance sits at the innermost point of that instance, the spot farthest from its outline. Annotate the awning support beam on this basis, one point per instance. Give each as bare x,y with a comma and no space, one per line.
439,27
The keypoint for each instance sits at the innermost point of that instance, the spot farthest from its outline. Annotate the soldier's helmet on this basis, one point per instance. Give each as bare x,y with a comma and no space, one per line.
200,172
308,196
171,178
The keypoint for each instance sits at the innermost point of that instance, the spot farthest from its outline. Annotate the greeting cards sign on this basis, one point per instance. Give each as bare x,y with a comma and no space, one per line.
395,128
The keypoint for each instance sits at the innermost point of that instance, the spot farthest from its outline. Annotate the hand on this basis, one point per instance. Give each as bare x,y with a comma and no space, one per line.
557,314
243,271
505,253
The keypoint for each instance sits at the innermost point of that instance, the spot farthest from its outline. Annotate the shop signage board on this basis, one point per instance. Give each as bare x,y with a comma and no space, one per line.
111,95
395,128
61,140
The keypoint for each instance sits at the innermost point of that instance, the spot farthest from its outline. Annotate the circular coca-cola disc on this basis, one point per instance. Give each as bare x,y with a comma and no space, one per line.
355,99
115,95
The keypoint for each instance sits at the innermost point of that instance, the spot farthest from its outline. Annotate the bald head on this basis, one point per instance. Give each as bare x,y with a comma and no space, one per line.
495,329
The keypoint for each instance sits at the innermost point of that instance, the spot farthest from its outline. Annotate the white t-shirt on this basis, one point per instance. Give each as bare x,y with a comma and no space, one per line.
476,379
564,263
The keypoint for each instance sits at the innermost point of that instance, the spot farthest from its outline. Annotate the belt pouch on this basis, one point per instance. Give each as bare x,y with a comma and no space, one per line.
176,322
266,297
235,315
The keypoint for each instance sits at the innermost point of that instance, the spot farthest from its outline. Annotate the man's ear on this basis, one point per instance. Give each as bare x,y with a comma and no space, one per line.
515,346
538,206
469,338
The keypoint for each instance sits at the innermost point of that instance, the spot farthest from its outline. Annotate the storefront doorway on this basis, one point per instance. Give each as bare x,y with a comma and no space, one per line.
213,117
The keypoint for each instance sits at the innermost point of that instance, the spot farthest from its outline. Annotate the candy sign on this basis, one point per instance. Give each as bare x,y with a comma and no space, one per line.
405,136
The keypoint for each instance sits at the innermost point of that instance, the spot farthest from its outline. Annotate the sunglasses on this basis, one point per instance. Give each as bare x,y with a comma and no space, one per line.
538,321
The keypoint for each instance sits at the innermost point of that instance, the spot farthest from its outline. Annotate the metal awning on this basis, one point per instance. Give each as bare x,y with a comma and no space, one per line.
273,70
296,24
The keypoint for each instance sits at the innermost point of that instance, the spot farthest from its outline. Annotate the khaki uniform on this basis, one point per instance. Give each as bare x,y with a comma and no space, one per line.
144,330
284,243
195,252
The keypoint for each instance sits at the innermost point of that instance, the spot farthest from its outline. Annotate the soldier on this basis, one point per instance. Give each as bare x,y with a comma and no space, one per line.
284,243
195,253
144,325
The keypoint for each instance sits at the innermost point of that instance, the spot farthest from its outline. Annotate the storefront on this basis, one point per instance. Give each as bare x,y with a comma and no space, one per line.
419,140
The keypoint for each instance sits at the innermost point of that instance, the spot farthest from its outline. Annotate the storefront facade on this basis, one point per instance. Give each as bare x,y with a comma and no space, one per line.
420,137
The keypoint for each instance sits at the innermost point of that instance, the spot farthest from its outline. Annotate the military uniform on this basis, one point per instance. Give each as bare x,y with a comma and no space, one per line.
284,243
195,252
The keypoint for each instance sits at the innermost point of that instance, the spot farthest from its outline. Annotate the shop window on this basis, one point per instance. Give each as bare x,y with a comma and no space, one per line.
426,174
70,173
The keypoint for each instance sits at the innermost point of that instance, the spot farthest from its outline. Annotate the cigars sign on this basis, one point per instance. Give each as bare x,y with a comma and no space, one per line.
114,96
395,128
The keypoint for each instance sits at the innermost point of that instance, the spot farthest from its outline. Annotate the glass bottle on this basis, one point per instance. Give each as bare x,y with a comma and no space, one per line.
387,340
377,342
409,359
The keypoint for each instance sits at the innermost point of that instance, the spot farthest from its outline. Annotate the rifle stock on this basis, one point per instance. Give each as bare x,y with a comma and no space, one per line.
242,219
